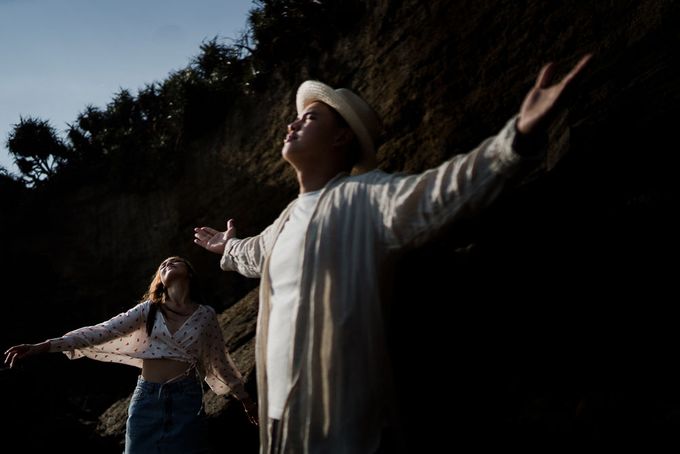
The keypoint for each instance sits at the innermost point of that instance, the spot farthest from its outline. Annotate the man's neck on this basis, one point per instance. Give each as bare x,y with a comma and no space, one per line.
313,181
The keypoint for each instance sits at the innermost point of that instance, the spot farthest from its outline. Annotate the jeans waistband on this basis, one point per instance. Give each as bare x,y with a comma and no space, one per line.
182,384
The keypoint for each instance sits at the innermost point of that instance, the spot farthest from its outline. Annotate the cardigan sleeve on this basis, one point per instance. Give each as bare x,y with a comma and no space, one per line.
247,256
119,326
411,207
221,373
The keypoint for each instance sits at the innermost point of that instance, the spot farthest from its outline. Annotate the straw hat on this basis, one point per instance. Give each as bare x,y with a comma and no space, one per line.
357,113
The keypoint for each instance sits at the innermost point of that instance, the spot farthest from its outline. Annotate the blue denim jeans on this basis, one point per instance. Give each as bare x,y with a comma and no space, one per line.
166,418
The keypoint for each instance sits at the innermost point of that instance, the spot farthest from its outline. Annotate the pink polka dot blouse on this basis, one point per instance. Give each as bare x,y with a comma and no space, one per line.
123,339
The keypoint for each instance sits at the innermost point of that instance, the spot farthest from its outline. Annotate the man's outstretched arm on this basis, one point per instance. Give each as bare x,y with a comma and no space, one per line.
412,207
245,256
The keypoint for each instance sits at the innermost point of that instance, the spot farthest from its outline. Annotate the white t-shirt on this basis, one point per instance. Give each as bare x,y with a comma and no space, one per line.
285,267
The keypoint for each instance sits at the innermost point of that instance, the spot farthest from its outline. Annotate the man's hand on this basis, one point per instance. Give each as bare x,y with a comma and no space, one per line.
539,104
213,240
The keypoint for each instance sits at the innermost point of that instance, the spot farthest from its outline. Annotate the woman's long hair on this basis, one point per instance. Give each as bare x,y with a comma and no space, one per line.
157,292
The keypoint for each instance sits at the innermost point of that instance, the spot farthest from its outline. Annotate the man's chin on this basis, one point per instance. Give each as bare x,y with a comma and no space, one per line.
288,152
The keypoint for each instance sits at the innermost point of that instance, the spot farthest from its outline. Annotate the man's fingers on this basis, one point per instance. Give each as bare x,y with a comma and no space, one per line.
543,79
576,70
202,235
200,238
546,73
211,239
208,230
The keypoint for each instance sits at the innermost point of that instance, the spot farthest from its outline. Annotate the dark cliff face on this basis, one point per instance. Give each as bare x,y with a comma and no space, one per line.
545,320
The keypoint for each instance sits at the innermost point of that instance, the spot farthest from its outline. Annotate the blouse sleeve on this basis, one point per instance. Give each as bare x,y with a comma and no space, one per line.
221,373
88,336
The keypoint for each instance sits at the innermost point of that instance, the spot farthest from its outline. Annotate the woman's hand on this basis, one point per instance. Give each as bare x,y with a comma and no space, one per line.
251,410
21,351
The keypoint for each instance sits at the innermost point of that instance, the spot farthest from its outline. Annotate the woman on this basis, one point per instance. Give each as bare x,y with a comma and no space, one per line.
176,342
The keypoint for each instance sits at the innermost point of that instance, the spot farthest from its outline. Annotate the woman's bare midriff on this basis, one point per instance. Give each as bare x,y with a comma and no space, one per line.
162,370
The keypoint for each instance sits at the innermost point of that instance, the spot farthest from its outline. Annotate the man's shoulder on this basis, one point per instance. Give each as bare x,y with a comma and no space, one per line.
351,188
372,176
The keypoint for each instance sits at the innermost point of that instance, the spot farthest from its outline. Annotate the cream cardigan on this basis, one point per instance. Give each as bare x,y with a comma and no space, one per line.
341,395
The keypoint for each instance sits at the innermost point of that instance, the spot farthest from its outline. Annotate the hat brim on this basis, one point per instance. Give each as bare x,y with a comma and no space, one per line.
311,91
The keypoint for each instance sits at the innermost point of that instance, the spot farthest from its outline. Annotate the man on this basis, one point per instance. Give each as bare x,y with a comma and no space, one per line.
323,377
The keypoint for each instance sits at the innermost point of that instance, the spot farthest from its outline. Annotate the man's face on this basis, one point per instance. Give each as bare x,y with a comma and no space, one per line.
311,136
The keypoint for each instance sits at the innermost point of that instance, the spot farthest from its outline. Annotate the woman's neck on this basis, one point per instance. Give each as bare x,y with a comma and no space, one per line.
178,295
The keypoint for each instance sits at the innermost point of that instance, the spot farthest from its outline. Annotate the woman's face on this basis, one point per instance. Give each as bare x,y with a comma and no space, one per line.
172,269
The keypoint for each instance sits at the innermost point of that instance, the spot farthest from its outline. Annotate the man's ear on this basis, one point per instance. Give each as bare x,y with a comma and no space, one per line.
343,138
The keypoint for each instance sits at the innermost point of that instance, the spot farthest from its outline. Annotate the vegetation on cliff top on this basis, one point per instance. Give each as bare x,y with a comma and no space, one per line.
137,132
